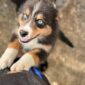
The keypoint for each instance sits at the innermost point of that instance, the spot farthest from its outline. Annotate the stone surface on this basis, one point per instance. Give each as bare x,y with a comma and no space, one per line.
7,22
66,65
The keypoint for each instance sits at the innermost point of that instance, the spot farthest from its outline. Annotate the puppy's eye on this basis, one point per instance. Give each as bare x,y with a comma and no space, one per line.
25,17
40,23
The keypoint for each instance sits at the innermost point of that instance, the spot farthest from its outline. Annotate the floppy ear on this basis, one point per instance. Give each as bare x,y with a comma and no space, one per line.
18,3
64,39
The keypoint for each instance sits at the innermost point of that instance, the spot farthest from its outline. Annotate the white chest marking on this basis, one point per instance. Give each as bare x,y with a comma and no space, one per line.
31,45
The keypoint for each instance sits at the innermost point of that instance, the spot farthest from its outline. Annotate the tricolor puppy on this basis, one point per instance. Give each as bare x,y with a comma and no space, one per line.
36,35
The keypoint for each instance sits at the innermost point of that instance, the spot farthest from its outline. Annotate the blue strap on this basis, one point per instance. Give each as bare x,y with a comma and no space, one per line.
38,72
35,71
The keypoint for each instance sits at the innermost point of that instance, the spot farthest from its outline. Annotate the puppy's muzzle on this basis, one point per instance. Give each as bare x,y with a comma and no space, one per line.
23,33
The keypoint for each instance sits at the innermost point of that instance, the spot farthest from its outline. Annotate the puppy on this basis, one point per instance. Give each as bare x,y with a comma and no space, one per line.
35,35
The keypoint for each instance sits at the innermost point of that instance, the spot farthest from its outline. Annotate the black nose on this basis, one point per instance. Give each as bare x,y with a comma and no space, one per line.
23,33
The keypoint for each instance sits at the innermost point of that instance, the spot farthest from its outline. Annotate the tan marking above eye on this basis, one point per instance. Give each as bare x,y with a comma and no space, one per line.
39,16
27,11
20,17
20,21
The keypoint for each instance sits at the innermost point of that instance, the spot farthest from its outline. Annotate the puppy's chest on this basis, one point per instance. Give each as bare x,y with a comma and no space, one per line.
31,45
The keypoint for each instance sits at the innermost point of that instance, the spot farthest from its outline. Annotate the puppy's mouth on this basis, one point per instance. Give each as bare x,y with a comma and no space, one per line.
27,39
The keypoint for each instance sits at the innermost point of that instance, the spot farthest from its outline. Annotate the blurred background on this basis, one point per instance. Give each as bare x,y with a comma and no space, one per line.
66,65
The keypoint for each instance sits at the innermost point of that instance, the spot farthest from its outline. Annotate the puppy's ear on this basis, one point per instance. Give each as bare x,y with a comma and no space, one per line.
18,3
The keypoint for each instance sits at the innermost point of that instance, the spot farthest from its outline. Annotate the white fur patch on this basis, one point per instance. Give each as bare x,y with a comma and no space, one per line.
8,57
25,62
34,44
31,45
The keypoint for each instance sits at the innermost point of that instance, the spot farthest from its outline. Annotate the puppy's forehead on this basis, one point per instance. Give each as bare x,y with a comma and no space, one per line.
40,7
31,4
37,6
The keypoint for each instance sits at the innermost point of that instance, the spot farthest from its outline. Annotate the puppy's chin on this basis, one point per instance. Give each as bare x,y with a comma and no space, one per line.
24,39
30,45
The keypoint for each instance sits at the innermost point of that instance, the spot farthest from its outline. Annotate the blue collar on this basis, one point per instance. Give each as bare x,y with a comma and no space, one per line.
36,72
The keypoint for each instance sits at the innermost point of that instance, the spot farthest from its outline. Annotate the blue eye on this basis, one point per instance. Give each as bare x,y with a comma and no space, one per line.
25,17
40,23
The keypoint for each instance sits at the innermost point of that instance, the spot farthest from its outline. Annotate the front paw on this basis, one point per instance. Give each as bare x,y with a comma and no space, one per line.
7,58
4,63
23,64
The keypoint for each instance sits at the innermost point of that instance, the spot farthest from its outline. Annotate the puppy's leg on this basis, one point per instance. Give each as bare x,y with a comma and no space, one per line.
10,54
32,58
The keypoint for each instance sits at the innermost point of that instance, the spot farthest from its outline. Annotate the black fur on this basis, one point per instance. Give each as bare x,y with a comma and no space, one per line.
42,54
50,40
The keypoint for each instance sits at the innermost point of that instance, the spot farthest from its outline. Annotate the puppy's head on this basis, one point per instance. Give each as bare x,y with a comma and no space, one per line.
37,20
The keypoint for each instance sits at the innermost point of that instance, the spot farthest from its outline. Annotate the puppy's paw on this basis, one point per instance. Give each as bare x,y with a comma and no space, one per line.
7,58
5,62
23,64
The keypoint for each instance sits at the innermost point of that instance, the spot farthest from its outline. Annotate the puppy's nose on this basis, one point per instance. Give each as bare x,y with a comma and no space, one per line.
23,33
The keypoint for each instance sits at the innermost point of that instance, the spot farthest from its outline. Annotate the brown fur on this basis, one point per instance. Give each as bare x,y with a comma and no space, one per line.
15,45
